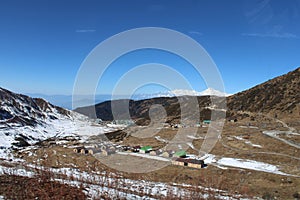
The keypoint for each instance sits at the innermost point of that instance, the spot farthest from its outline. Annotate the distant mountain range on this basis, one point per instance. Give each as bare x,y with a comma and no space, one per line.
65,101
181,92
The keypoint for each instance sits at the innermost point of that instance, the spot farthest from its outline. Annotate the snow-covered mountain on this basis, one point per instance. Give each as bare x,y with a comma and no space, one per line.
25,121
182,92
213,92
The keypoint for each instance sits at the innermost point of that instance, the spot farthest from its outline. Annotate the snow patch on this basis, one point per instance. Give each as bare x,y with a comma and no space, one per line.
158,138
224,162
250,164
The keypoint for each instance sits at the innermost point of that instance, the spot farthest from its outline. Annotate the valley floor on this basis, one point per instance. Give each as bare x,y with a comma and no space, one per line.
245,163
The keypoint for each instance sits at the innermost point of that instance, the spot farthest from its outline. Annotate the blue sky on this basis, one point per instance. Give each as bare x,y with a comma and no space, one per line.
43,43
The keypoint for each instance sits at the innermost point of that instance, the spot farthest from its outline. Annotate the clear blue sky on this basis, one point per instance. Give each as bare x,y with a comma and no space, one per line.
44,42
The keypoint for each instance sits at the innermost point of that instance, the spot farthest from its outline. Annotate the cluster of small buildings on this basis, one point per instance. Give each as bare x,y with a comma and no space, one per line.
200,124
150,150
179,158
105,150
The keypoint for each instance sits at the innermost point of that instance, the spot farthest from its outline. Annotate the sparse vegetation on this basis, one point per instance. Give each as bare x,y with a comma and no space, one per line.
41,186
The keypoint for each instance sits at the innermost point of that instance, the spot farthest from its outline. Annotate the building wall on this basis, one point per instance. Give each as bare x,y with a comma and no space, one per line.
75,150
198,166
104,153
174,162
83,151
165,154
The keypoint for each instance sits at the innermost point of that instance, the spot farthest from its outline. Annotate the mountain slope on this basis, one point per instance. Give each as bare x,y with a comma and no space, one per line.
25,121
23,110
279,96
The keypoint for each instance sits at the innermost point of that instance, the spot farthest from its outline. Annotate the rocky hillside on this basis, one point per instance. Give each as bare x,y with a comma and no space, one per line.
278,97
25,120
23,110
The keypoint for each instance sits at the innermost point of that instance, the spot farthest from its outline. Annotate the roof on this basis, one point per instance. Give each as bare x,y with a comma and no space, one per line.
146,148
193,161
180,153
180,159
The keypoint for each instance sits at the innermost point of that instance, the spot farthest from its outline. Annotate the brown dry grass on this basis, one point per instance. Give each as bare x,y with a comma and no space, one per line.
39,187
246,182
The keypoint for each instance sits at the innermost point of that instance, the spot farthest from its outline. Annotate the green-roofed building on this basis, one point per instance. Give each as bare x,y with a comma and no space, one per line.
206,121
145,149
180,154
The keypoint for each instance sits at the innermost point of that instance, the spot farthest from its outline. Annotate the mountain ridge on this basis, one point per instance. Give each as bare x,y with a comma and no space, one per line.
277,96
280,94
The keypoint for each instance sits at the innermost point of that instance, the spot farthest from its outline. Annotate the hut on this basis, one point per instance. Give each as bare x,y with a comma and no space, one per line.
126,148
103,147
84,151
232,119
194,163
177,126
179,161
206,121
136,149
112,148
94,151
167,154
180,154
107,152
145,149
77,149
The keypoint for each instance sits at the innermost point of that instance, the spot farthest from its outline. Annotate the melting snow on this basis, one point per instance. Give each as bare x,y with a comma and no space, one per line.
62,127
243,163
250,164
161,139
247,142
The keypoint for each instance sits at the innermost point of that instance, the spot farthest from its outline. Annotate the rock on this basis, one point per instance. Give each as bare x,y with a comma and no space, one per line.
296,195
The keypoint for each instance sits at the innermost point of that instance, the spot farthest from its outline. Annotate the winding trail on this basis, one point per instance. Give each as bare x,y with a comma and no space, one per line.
273,134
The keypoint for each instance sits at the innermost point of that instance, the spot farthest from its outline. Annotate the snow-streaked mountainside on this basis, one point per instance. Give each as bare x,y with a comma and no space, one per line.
25,121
